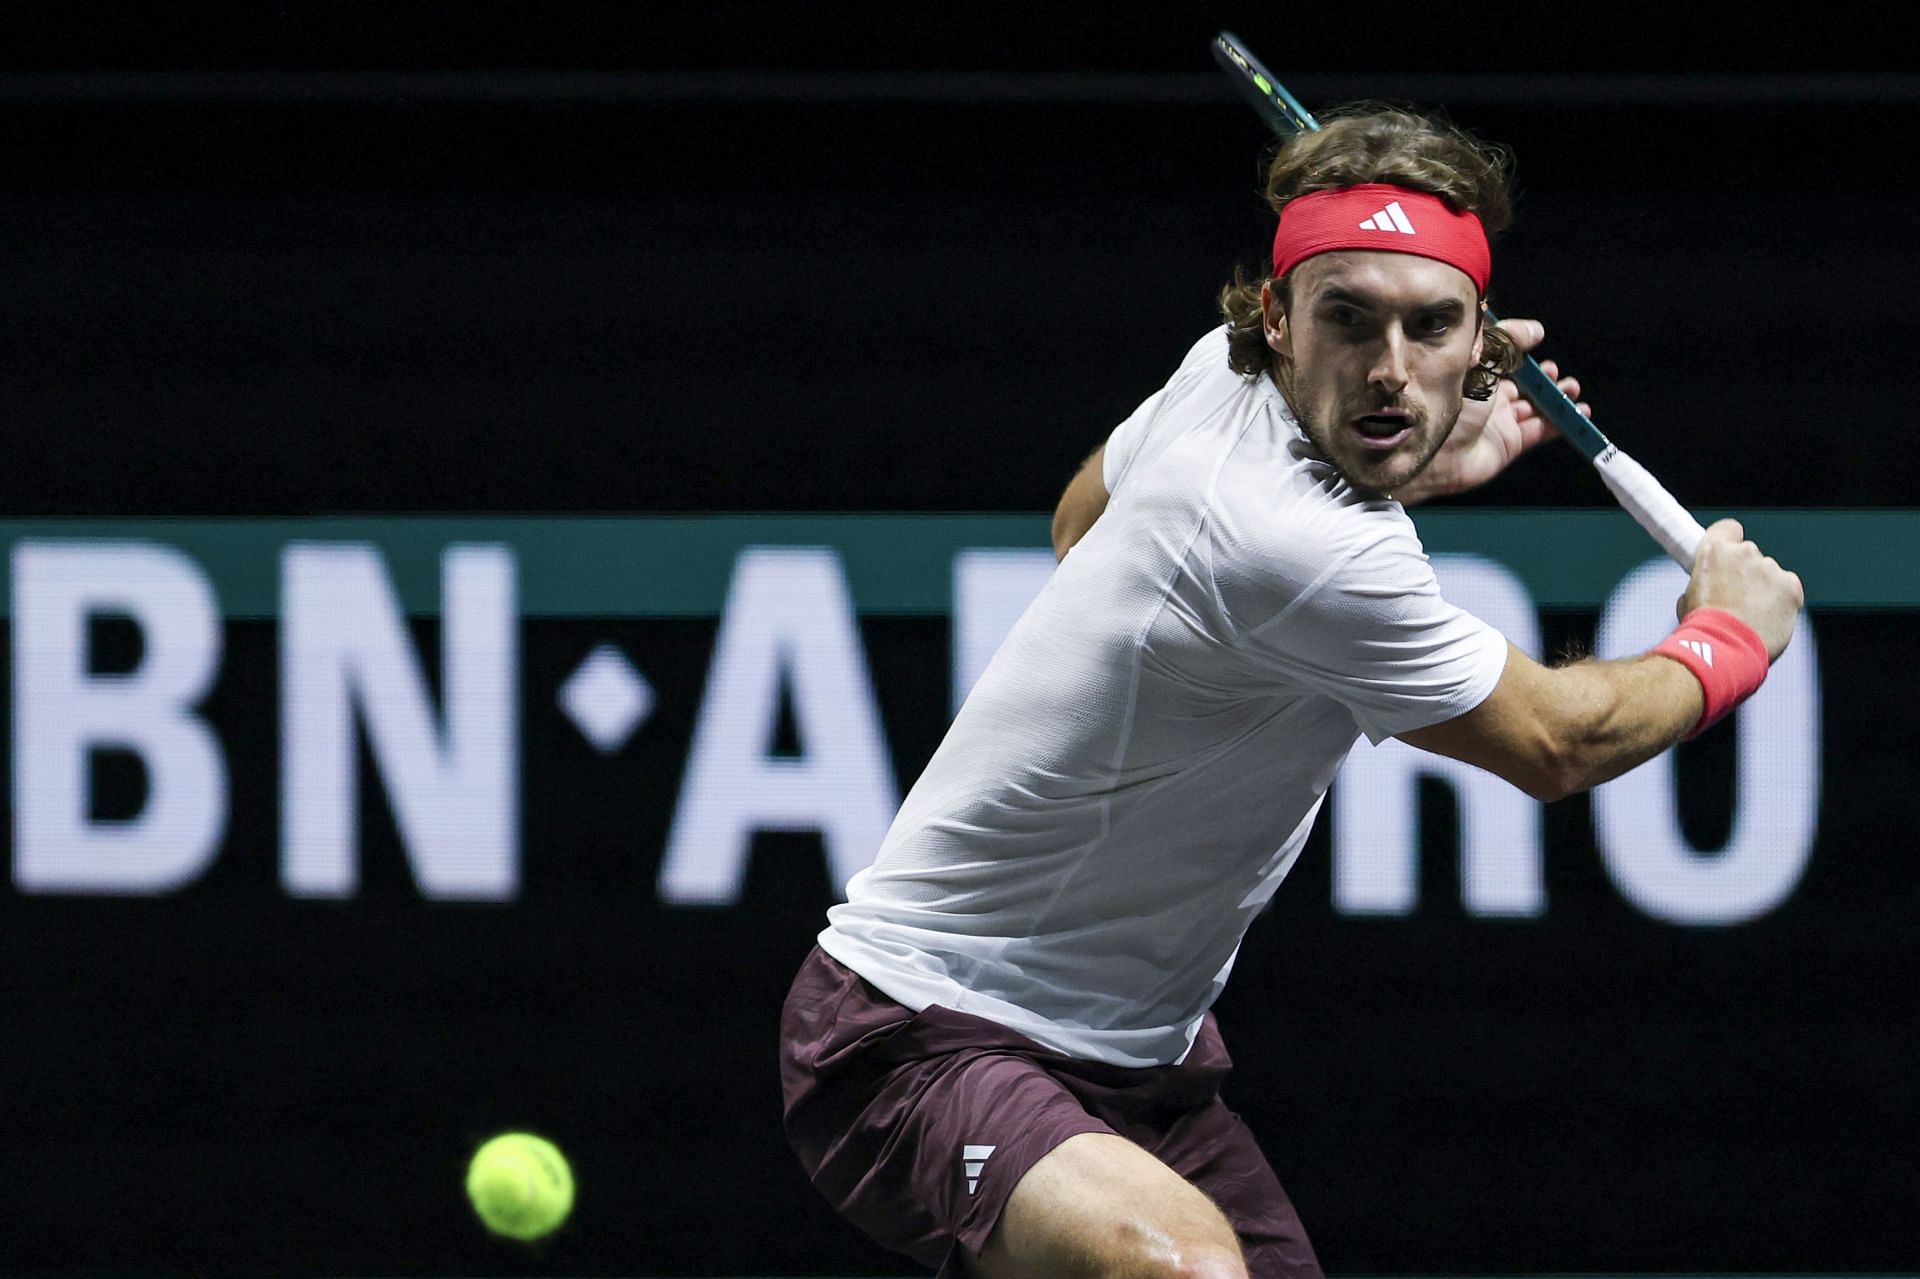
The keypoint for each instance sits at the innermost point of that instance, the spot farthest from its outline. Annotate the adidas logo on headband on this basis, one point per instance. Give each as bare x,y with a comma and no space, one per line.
1391,218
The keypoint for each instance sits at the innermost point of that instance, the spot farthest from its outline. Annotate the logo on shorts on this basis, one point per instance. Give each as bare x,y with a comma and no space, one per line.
974,1158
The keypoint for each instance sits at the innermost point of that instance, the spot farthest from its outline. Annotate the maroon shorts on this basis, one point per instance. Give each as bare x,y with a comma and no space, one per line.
917,1126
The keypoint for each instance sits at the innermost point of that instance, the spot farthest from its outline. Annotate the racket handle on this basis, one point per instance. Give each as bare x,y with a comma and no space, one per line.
1634,487
1644,498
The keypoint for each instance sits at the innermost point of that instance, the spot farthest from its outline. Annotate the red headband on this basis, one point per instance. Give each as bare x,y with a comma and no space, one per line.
1376,215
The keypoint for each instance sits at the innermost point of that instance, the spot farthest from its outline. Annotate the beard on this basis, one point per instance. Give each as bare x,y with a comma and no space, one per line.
1374,470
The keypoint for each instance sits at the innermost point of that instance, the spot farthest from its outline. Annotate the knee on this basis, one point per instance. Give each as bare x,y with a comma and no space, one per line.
1156,1253
1209,1261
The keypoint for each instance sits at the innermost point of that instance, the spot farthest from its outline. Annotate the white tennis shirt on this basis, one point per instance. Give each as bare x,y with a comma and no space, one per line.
1138,767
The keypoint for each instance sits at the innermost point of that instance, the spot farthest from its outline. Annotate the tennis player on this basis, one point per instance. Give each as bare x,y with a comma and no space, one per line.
999,1060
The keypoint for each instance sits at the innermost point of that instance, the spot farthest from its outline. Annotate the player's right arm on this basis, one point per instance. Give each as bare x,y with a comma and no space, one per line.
1081,504
1556,731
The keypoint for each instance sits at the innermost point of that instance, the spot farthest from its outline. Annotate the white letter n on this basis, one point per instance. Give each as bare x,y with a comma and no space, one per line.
454,790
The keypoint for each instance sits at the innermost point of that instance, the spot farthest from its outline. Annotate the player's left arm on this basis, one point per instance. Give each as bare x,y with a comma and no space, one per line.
1081,504
1491,433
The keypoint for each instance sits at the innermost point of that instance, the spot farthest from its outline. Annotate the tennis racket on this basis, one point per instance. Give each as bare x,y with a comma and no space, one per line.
1638,493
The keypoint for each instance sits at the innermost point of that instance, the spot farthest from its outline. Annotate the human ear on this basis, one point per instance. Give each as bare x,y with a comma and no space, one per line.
1273,322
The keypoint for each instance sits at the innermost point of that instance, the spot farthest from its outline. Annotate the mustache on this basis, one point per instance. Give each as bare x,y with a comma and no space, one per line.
1361,406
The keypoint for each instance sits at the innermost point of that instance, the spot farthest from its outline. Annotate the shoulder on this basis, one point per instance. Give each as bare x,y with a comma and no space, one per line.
1205,374
1208,351
1206,364
1203,394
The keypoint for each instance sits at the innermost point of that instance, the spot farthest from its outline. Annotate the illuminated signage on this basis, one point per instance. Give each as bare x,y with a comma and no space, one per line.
437,720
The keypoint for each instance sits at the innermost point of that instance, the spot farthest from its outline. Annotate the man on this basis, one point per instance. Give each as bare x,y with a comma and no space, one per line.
999,1059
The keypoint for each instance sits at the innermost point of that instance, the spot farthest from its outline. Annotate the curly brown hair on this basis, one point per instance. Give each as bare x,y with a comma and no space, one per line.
1369,142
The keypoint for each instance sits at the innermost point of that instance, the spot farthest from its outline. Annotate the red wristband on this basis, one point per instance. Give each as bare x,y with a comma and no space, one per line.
1724,654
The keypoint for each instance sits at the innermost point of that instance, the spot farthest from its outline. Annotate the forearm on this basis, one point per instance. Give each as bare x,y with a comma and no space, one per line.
1614,716
1554,732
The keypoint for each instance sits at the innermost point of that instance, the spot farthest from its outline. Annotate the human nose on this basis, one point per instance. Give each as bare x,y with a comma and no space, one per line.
1389,372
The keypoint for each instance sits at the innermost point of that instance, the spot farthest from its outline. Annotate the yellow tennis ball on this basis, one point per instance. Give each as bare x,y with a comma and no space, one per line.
520,1185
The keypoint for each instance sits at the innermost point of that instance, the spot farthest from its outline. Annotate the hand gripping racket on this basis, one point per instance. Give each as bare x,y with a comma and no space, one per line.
1638,493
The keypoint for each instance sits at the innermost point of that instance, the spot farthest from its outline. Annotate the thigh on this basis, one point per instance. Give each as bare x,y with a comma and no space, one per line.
917,1127
1098,1204
1215,1150
934,1158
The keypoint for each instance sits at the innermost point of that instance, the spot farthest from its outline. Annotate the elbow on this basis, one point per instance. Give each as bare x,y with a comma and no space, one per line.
1555,771
1550,788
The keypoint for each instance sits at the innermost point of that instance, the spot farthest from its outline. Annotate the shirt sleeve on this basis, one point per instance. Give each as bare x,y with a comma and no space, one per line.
1371,631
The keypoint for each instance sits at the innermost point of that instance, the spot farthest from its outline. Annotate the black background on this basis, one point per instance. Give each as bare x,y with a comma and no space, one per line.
879,278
